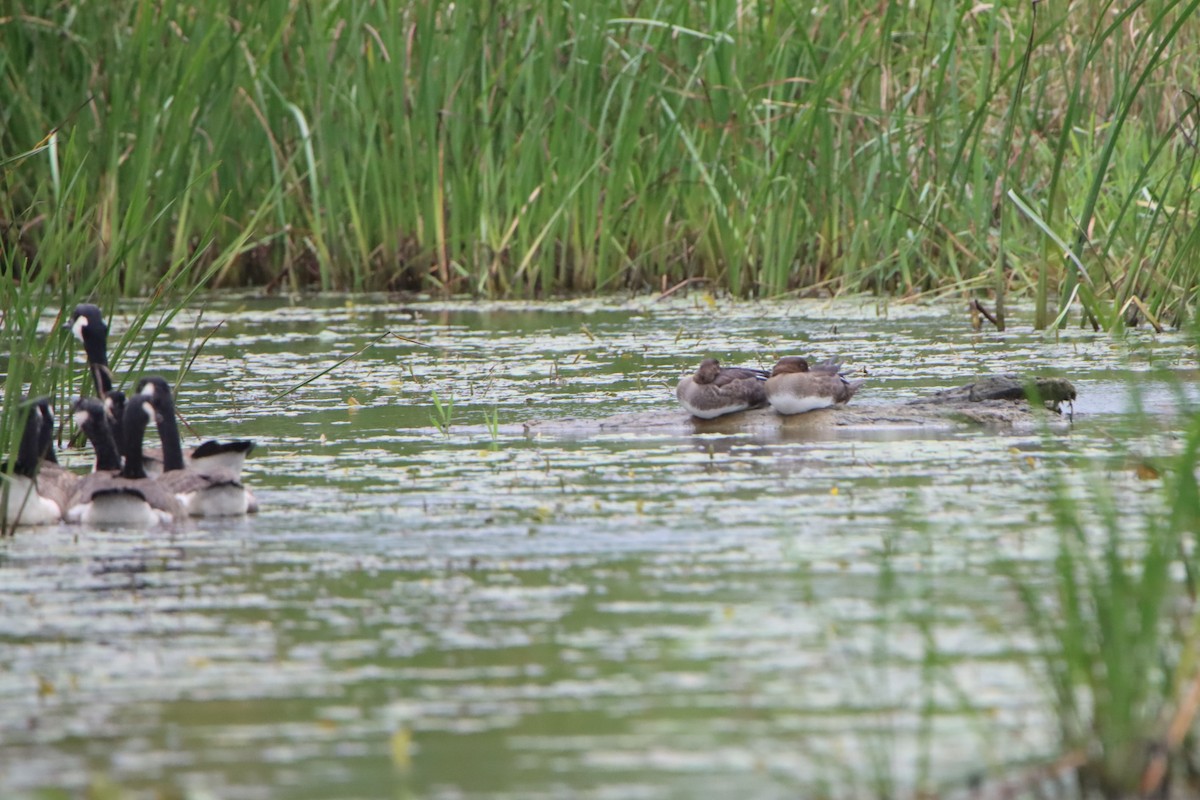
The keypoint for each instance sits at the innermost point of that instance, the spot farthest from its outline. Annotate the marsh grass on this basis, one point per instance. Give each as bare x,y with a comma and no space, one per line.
903,683
491,420
515,149
443,412
1117,627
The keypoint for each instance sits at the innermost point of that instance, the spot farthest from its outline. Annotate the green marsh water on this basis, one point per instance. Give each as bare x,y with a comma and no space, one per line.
485,613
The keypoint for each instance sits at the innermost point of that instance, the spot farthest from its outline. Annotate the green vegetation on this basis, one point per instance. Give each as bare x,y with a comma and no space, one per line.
1118,632
491,419
517,148
442,414
1043,150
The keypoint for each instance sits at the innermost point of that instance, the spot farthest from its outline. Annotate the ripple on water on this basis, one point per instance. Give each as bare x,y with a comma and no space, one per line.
622,616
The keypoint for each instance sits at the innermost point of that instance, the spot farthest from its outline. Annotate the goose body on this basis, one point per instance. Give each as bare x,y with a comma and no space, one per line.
209,494
213,456
795,388
54,481
207,490
24,504
120,498
113,505
713,390
36,491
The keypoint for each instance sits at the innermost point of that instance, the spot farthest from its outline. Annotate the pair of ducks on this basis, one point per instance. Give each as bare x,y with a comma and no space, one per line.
792,387
128,485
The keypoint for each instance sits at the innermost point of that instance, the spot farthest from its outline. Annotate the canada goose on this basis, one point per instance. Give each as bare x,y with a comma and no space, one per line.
54,481
92,417
200,495
128,497
214,494
207,458
114,408
36,491
713,390
87,323
794,387
206,487
46,439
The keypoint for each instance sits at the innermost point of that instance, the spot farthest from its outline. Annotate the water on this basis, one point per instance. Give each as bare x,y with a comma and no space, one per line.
486,613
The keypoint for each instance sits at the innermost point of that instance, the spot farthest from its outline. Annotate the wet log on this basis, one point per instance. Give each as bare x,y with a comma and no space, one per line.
995,401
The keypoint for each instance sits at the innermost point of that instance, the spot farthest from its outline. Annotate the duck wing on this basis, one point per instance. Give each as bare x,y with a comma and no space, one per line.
830,366
728,375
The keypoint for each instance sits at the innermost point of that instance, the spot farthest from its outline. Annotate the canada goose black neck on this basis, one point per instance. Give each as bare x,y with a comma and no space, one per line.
31,447
213,492
138,412
46,439
114,407
158,393
36,491
87,323
128,497
92,418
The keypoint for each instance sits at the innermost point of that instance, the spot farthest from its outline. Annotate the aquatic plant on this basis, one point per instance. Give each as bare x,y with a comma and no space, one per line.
443,412
1118,631
35,362
515,148
492,420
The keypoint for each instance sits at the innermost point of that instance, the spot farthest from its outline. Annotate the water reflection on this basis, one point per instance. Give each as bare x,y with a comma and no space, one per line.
488,614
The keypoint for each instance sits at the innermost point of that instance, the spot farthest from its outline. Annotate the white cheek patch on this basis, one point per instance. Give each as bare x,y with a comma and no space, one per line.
78,327
81,418
791,404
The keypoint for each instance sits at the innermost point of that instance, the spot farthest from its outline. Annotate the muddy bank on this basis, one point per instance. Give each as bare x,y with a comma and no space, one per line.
997,401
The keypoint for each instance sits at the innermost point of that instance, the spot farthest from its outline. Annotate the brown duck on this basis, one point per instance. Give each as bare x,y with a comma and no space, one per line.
795,387
713,390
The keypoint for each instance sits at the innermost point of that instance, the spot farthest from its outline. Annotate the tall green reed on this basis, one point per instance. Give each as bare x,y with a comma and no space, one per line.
1116,622
513,148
